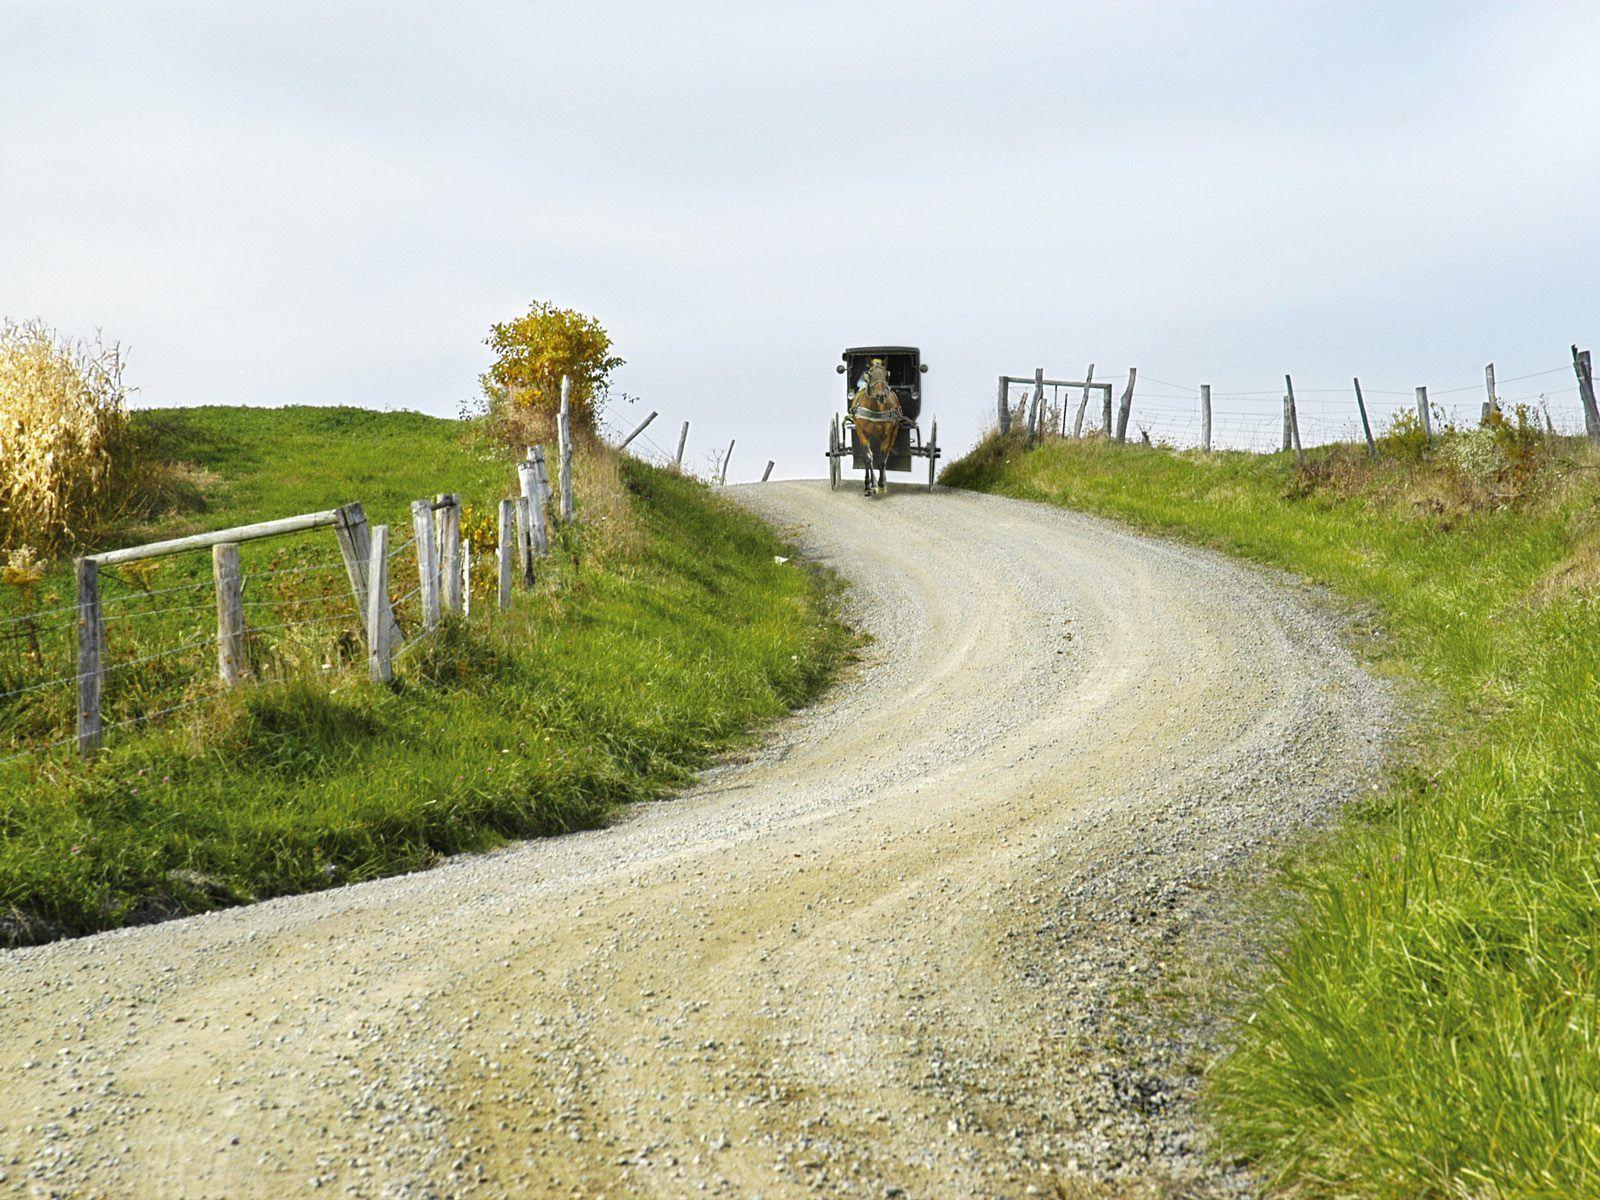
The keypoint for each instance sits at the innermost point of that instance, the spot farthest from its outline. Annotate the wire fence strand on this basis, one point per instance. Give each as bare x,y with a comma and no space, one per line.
37,613
36,687
349,612
159,654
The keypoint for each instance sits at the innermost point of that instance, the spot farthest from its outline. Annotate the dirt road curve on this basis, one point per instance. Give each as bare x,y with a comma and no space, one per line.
902,951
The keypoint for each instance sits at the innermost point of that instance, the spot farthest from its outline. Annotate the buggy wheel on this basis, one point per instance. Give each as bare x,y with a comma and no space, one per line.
833,453
933,452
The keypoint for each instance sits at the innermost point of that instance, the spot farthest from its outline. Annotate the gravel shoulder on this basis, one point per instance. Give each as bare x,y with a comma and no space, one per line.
912,946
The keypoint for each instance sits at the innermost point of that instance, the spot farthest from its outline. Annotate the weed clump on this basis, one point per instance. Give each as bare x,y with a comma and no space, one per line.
1404,439
1507,461
1476,455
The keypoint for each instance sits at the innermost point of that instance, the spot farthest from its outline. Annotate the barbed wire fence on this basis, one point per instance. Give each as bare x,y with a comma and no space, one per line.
127,654
1194,416
153,642
626,431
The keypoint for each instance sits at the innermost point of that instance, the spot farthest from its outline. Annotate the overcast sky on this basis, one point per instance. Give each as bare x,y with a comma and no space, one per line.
329,202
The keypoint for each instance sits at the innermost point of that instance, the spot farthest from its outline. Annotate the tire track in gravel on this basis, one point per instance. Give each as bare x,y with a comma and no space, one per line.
901,950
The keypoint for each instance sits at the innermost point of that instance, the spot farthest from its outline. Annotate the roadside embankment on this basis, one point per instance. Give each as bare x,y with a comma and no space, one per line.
1429,1025
660,631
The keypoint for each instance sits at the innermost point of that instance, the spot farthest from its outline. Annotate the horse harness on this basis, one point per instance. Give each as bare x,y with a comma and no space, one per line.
880,414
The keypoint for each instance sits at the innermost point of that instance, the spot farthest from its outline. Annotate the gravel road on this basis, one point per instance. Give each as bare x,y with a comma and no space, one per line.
907,948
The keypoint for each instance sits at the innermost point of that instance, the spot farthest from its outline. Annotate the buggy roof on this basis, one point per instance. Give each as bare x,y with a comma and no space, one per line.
876,350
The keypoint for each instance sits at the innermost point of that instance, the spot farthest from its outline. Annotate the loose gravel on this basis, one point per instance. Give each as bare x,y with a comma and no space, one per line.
921,943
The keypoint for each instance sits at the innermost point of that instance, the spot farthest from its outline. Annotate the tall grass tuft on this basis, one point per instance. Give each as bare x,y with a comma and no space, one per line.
64,439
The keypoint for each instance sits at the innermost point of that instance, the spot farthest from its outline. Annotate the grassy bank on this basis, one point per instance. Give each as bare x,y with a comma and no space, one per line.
1431,1027
660,632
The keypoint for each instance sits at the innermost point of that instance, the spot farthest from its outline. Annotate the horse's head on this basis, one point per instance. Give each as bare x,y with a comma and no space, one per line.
877,377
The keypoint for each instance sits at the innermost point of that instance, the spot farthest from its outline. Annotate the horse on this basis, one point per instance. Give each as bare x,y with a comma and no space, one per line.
875,410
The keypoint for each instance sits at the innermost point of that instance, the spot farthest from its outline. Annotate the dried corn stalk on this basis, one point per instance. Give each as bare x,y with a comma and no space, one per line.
63,435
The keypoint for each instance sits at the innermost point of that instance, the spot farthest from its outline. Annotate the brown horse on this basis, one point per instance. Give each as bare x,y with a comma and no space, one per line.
875,410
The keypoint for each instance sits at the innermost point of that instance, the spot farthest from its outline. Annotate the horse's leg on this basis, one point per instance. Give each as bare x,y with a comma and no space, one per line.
866,484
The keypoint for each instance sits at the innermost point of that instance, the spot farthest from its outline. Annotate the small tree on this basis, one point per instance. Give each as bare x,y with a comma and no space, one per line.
533,352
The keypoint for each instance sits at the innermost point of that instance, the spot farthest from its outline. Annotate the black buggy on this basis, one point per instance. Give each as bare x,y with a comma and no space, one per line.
905,369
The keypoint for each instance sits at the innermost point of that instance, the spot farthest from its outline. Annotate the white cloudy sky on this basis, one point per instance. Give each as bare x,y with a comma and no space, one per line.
329,202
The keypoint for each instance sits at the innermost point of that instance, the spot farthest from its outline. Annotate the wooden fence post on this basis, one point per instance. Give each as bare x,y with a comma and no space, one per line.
1423,415
1003,406
1366,426
767,474
505,553
380,662
427,562
536,458
683,436
1288,439
1205,418
565,427
561,445
1582,367
1036,410
640,428
1126,406
1294,422
529,487
539,505
1077,426
526,554
447,520
1492,402
91,667
355,546
726,459
232,662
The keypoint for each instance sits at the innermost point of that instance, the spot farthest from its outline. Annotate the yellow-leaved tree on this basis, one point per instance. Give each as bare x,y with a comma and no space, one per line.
532,353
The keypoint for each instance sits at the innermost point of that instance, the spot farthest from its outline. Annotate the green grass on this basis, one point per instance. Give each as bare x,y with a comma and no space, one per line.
1431,1025
661,632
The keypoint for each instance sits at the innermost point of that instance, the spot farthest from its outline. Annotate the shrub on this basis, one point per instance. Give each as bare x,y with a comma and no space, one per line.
1404,439
1501,458
64,439
1477,454
533,352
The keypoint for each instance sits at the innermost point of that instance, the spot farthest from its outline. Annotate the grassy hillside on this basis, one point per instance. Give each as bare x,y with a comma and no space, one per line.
660,631
1431,1027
